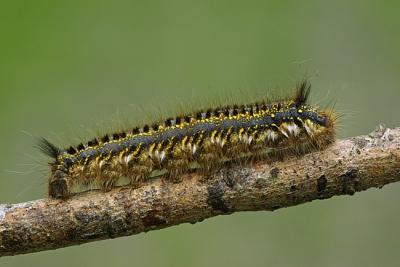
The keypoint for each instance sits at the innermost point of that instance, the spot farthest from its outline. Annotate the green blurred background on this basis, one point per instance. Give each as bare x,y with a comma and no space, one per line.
67,64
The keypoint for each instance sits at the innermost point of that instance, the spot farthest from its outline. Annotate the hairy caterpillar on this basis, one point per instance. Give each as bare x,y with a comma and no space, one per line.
200,140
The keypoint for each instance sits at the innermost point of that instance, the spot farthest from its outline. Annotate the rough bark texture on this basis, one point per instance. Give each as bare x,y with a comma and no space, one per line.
346,167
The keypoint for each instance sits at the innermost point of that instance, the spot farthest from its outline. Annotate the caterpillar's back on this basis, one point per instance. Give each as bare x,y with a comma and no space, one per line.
202,138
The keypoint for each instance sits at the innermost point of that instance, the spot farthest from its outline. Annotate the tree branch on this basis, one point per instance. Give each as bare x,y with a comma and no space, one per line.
346,167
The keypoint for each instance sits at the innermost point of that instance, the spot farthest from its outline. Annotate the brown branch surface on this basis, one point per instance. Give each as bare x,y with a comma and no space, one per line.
346,167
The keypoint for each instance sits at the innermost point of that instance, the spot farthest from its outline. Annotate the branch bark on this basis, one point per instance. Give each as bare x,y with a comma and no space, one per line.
346,167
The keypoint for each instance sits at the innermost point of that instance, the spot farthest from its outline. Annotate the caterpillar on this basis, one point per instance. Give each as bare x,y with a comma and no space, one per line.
201,140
